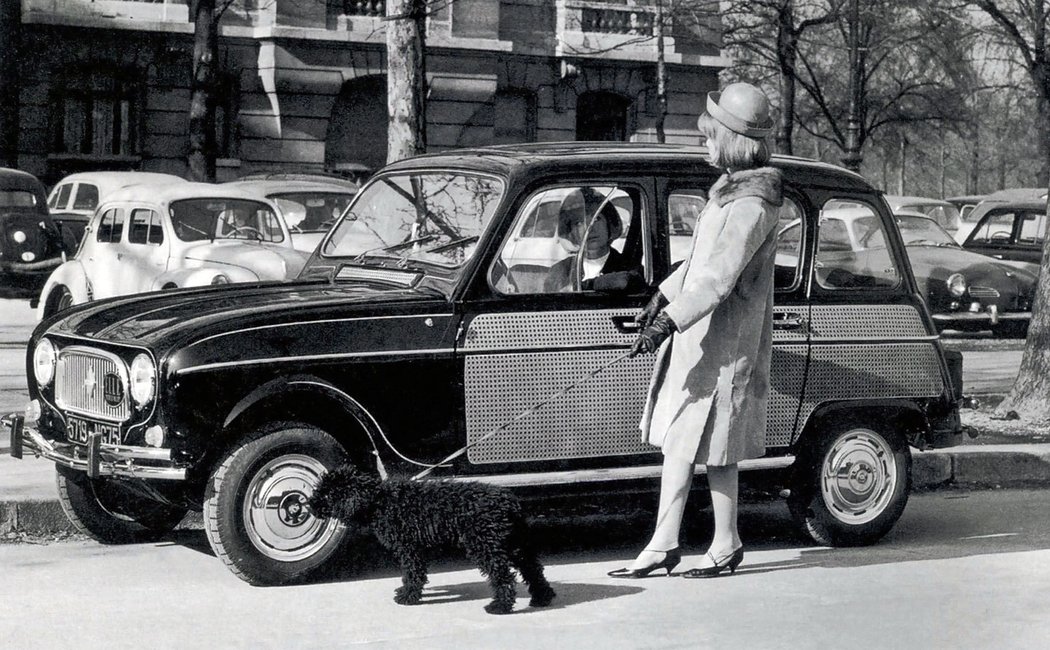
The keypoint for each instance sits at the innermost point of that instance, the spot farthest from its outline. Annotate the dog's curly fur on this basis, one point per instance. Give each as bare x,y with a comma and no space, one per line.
411,517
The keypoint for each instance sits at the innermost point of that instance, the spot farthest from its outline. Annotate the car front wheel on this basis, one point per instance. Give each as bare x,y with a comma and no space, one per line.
109,513
255,512
851,487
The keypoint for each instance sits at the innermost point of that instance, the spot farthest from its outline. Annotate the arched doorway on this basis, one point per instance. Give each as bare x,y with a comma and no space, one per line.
357,129
602,115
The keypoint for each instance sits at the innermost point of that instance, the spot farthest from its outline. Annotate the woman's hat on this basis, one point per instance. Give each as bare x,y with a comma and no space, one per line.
741,108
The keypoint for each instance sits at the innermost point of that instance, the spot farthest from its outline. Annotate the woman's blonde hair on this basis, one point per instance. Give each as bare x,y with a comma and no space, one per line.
730,149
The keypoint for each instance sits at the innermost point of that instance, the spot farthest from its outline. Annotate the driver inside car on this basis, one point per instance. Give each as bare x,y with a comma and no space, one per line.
602,267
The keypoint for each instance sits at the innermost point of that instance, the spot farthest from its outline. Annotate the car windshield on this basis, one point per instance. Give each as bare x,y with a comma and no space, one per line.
939,212
16,199
919,231
421,220
311,211
218,218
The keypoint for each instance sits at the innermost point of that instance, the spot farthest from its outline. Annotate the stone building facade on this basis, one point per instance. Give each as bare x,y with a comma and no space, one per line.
104,84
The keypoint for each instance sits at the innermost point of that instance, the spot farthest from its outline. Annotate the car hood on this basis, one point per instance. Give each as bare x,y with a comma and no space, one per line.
166,319
268,261
939,262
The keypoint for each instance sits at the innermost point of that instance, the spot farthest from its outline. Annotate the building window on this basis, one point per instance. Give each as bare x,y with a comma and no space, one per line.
97,113
602,116
515,117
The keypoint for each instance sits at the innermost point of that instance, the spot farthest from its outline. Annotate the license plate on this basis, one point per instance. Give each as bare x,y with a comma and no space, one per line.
77,430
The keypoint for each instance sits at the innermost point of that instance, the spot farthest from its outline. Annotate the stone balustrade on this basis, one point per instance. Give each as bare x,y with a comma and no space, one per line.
634,21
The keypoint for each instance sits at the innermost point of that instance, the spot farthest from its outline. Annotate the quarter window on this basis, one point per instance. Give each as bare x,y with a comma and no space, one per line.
145,227
60,199
1033,228
574,239
86,197
852,251
111,226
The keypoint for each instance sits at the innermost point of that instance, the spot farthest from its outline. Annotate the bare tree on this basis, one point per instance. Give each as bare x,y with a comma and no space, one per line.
10,32
407,76
1023,24
203,87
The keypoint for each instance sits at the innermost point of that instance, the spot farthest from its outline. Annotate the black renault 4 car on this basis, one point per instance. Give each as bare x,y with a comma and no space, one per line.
426,323
31,245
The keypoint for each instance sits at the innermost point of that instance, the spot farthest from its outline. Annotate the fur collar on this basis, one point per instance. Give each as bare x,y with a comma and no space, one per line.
763,182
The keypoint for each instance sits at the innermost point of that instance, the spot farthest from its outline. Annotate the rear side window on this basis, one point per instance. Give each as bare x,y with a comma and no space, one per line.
145,227
852,249
60,198
1032,229
87,197
110,226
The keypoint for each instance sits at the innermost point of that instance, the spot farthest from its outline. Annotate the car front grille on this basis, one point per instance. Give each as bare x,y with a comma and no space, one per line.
983,292
93,383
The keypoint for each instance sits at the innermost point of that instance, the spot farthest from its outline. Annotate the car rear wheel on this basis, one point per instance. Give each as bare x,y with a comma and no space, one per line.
851,487
255,512
109,512
59,300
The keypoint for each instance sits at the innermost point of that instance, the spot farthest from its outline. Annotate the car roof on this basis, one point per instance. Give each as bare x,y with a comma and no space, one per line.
267,187
896,200
109,181
610,157
16,179
1019,195
163,193
966,198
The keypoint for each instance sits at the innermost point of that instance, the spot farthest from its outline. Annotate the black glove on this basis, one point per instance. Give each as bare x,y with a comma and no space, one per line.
652,336
648,314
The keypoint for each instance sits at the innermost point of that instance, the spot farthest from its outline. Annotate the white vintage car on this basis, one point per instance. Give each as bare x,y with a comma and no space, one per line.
150,237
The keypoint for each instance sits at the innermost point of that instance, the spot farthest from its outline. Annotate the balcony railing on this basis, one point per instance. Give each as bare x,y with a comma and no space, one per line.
634,22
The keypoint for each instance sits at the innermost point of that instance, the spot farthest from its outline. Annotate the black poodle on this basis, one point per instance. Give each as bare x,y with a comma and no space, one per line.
411,517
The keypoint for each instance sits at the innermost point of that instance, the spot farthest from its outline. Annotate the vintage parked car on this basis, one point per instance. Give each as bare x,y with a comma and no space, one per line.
73,199
308,207
1010,225
407,340
965,205
943,212
963,290
31,245
152,237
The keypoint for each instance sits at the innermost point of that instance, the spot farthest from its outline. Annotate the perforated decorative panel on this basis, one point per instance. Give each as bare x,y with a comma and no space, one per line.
518,331
866,322
787,371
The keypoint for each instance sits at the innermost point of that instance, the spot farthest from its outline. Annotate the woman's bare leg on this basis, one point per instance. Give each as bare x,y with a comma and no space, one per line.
675,481
724,483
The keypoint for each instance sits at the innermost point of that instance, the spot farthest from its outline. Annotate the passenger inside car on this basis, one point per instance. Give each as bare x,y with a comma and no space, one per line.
599,259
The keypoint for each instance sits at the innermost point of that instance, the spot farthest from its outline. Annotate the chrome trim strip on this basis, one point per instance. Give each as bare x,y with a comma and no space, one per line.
874,341
315,322
309,357
114,460
983,316
611,474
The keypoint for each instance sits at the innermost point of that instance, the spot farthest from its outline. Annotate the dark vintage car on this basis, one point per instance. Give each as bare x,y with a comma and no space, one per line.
1010,225
963,290
418,329
31,245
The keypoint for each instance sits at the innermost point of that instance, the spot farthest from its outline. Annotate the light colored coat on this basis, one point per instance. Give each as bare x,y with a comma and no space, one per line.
710,385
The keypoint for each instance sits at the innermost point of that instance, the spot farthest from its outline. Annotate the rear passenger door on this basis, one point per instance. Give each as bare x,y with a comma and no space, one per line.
146,255
102,257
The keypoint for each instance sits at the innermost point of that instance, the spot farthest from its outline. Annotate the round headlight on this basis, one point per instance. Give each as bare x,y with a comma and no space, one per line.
143,379
44,359
220,279
956,284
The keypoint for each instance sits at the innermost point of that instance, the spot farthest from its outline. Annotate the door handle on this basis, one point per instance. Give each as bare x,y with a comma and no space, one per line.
626,324
789,321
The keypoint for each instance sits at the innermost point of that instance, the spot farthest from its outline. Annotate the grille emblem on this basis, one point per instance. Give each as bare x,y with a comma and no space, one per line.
90,383
112,389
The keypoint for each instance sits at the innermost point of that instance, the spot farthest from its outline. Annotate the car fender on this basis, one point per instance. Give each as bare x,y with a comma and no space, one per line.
73,276
905,415
202,276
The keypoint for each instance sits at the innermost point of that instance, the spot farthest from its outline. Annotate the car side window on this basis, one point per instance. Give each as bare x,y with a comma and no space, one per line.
1033,228
110,226
790,231
995,228
60,198
86,197
683,209
852,250
574,239
144,227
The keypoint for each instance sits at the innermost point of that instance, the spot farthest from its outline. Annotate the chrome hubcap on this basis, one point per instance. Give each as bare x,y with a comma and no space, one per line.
276,517
858,477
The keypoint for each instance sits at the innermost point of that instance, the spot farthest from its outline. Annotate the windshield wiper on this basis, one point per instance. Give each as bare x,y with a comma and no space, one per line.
455,243
393,247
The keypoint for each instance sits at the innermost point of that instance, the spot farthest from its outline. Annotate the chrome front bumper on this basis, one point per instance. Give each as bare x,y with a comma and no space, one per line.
95,458
990,316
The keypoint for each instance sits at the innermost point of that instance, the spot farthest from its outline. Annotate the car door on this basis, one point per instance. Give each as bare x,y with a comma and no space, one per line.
102,259
1009,233
528,335
145,257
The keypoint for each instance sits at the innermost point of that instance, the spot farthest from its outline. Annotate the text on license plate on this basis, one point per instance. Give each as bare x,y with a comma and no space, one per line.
77,430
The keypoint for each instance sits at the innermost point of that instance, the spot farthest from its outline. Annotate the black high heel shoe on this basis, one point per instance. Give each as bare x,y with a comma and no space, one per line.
671,559
731,562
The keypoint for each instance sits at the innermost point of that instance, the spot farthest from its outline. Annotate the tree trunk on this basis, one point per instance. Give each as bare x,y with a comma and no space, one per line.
202,92
406,78
10,33
903,163
787,56
661,73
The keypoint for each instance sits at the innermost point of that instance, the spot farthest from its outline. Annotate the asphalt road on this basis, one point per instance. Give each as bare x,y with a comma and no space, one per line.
960,570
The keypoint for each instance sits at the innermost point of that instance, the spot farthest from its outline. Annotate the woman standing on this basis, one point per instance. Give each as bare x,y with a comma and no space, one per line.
711,321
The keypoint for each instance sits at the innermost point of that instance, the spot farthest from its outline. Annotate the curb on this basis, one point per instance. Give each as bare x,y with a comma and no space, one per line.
975,467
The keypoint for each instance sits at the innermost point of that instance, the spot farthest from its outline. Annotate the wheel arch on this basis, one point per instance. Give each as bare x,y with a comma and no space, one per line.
904,417
70,275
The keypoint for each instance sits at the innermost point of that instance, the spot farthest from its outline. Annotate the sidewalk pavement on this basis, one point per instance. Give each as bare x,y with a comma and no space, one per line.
29,497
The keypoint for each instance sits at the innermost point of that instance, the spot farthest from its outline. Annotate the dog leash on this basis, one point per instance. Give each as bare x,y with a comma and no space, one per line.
529,411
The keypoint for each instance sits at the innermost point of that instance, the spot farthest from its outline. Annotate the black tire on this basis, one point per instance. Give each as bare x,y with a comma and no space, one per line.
110,513
280,541
59,299
851,487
